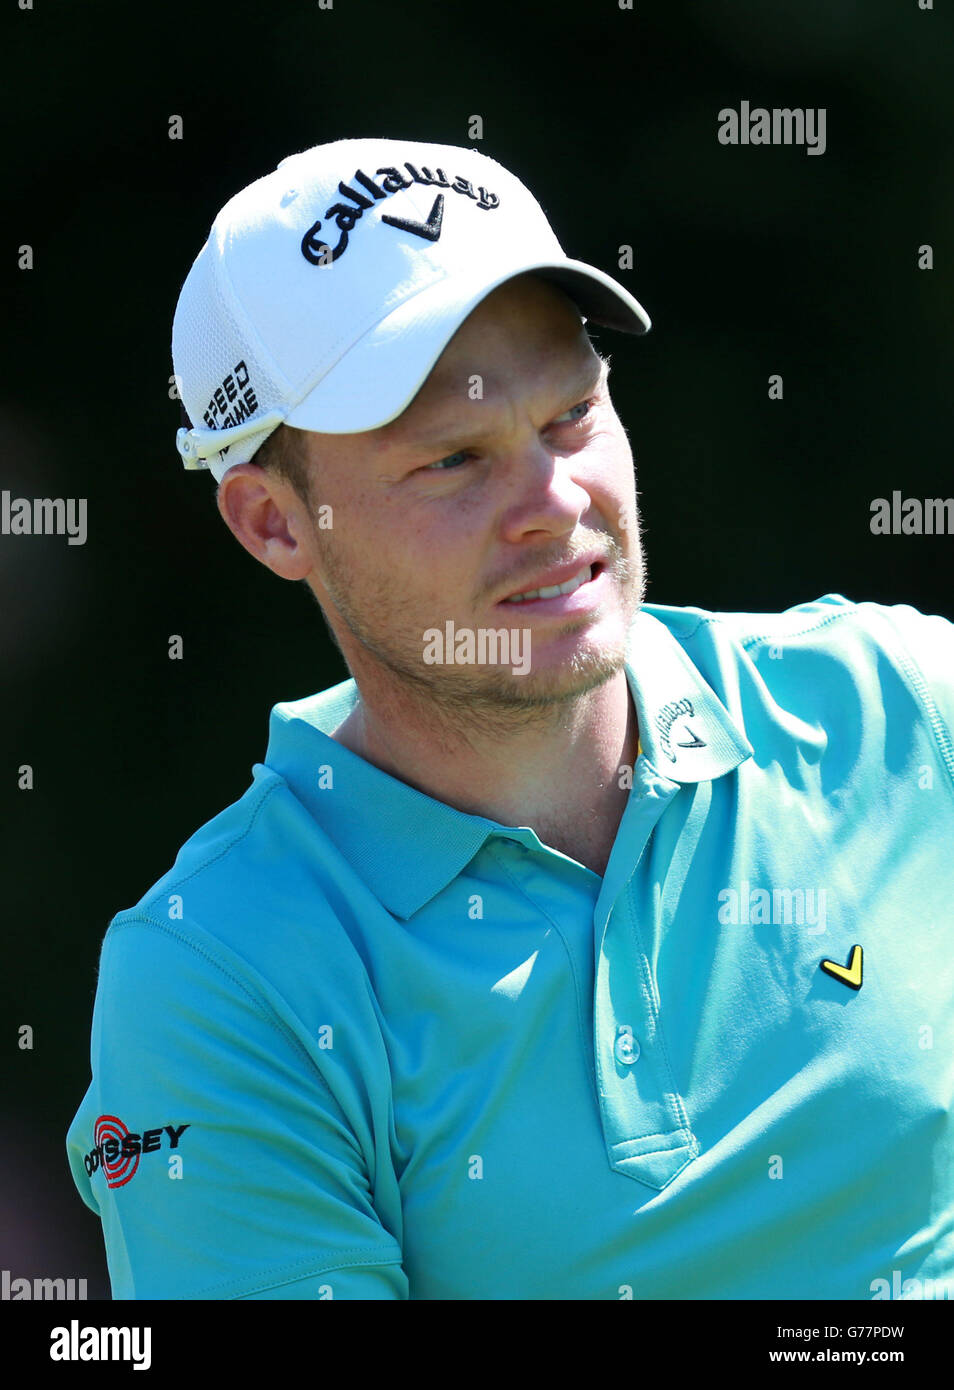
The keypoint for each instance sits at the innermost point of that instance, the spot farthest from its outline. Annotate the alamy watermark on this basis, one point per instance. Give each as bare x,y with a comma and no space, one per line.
485,646
780,907
44,516
782,125
913,1288
40,1289
75,1343
912,516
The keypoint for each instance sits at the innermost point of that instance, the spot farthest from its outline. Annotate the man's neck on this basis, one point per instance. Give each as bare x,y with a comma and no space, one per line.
559,774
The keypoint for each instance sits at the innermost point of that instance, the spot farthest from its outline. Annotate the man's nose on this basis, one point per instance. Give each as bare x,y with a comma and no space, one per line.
542,494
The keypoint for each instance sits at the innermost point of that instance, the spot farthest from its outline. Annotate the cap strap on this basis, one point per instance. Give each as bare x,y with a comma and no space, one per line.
197,445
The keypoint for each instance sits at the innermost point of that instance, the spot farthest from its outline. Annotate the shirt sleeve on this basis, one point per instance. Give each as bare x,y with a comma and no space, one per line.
209,1143
925,643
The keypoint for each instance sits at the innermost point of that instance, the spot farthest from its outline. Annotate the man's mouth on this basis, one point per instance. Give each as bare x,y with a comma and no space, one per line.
569,586
552,590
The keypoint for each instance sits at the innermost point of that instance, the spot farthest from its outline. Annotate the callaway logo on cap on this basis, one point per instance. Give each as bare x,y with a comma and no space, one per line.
328,289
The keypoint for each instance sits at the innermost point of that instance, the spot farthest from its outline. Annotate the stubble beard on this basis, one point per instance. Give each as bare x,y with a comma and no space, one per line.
456,696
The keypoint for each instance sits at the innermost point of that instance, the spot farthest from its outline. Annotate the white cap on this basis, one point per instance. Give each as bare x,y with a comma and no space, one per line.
328,289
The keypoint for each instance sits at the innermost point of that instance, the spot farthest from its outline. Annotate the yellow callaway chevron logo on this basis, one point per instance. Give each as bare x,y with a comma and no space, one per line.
849,974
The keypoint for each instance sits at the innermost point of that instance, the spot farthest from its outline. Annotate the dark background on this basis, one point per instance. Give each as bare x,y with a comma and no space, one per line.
751,261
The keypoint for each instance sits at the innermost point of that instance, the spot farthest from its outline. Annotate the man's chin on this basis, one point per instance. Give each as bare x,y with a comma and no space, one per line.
539,687
538,670
548,690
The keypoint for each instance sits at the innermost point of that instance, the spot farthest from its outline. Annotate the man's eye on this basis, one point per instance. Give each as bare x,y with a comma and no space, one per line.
450,462
570,417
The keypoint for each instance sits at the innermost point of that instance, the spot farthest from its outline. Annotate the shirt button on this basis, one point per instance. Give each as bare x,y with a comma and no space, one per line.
627,1048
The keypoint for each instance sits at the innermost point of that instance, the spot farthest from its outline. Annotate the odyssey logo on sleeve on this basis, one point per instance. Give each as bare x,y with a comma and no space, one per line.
117,1150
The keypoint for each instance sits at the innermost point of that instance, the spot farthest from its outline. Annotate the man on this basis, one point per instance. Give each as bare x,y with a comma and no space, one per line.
575,948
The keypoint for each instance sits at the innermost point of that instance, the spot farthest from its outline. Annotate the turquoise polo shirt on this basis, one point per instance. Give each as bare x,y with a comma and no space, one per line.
357,1044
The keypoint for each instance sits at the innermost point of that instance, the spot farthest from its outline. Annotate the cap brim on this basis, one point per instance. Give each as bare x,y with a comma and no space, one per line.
382,373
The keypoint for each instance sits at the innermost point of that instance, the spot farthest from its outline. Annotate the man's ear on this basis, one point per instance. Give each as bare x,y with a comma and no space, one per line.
268,518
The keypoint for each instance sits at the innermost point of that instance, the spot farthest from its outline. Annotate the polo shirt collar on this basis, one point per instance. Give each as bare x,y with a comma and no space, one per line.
406,845
403,844
686,732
